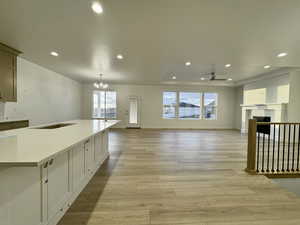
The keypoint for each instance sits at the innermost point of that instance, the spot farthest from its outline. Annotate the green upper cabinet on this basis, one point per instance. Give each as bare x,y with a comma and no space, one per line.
8,73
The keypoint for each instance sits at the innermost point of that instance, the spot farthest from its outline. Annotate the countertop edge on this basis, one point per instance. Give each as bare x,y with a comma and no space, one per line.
40,162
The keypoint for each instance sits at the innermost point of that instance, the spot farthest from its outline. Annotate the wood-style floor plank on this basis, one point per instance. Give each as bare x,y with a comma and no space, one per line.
180,177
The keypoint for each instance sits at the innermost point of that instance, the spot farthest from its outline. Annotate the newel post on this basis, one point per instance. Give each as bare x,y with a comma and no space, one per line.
251,156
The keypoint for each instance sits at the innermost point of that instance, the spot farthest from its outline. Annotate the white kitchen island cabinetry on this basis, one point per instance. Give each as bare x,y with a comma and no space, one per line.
38,189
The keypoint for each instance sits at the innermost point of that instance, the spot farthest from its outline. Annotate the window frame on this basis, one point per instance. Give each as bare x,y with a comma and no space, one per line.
99,104
202,106
176,106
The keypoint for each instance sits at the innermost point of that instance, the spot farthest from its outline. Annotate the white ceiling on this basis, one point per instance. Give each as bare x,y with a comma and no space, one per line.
156,37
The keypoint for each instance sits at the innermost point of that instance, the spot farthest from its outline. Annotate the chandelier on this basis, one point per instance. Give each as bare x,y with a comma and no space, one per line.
100,83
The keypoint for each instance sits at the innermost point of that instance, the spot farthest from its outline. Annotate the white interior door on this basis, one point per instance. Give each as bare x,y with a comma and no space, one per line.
134,112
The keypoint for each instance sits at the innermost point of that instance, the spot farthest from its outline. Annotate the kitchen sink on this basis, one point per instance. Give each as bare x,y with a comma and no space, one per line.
55,126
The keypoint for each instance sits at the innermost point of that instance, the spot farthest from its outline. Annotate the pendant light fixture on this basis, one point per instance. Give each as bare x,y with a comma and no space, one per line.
100,84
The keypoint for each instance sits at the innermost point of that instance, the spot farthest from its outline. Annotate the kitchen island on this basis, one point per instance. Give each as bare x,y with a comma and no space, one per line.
43,169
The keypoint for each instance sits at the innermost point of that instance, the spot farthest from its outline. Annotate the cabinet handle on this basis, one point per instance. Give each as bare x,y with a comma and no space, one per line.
46,181
51,162
46,165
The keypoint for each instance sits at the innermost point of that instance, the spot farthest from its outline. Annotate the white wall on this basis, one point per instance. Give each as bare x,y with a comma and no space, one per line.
239,100
271,86
151,106
294,104
43,96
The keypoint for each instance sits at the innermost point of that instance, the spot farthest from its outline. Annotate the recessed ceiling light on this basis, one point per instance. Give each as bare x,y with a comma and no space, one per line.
120,56
229,79
174,78
97,7
54,54
267,66
228,65
283,54
202,78
188,63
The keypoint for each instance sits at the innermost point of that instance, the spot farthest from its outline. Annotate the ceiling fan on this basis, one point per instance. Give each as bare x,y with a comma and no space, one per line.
213,76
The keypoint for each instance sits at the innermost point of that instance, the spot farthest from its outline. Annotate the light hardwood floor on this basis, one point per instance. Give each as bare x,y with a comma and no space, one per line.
180,177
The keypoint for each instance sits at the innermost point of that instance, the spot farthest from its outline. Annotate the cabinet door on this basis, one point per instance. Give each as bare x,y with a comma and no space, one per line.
89,156
98,148
8,76
44,182
58,183
78,165
20,195
105,143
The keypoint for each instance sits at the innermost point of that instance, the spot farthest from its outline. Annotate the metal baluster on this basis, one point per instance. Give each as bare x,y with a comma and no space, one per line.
278,146
289,147
257,160
263,154
274,132
298,147
294,140
268,151
283,150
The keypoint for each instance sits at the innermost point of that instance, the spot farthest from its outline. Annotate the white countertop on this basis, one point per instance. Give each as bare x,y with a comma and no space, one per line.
32,147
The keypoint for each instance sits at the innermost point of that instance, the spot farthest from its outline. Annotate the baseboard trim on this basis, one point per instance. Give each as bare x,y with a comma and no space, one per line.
143,128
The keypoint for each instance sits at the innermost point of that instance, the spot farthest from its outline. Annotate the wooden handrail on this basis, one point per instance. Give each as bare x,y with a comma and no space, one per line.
273,148
251,157
276,123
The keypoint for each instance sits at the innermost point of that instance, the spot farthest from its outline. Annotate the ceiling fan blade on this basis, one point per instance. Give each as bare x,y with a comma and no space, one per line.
205,74
219,79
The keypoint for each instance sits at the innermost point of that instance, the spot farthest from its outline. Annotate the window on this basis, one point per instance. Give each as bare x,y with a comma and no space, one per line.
105,104
189,105
169,105
210,106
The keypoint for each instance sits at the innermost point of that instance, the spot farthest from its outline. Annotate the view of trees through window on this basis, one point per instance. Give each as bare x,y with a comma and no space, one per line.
105,107
188,105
